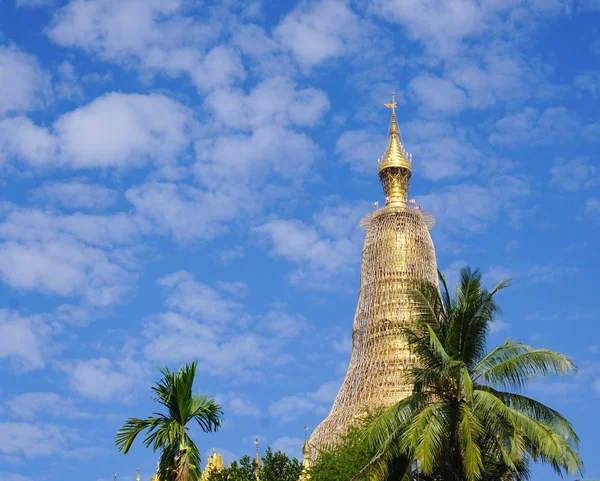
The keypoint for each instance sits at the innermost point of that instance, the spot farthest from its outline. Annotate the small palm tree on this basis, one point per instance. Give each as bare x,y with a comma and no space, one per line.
463,422
180,457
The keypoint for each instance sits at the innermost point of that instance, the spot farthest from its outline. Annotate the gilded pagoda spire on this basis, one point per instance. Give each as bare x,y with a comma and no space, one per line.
257,462
397,256
306,457
395,167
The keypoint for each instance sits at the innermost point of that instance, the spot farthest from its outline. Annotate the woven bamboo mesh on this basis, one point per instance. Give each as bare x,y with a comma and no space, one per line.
398,253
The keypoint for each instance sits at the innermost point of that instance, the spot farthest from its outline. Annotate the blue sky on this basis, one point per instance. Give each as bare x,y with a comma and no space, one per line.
184,181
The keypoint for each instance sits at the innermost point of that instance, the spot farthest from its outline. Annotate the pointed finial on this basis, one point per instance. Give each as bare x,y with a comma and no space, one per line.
137,475
115,477
305,432
257,461
394,124
392,105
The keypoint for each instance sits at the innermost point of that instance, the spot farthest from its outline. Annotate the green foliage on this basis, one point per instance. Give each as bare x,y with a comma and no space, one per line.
244,470
168,433
279,467
275,467
462,422
349,456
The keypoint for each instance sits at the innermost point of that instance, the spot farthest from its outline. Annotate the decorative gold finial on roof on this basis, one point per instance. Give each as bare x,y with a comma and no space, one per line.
305,445
213,463
395,155
257,461
395,167
393,105
306,457
137,475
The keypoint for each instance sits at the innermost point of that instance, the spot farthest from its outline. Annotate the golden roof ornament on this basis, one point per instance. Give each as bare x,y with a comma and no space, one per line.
305,448
137,475
213,463
395,167
306,457
257,461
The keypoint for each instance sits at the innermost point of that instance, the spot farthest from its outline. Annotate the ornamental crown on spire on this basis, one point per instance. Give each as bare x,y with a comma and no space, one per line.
395,155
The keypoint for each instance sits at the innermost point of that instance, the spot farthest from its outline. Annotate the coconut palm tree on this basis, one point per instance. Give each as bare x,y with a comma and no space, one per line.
464,421
180,457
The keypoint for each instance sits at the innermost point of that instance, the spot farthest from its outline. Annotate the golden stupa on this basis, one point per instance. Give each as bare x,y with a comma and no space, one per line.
214,463
397,254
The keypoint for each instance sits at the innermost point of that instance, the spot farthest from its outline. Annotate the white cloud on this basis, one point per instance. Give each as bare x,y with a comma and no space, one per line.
237,353
282,324
512,245
186,213
443,25
452,271
592,206
25,340
225,256
290,408
66,254
437,94
535,274
327,248
220,67
290,446
591,132
360,149
198,300
76,195
238,406
105,380
124,130
25,86
154,36
499,326
31,405
551,126
21,138
320,31
276,100
470,208
4,476
32,440
343,344
117,30
572,175
268,150
63,268
495,77
588,84
115,130
205,324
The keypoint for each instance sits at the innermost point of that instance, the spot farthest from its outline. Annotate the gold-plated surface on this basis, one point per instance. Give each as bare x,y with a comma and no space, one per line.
213,463
305,457
257,461
397,253
396,163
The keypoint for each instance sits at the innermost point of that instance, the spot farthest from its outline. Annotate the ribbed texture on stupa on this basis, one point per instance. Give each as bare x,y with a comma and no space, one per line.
397,254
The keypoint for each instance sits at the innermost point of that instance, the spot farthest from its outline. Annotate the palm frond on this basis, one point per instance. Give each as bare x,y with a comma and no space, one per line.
129,431
470,433
515,365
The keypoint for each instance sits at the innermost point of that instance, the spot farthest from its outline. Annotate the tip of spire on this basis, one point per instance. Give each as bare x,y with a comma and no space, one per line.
395,155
